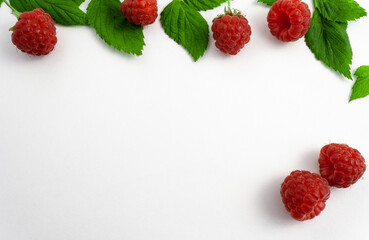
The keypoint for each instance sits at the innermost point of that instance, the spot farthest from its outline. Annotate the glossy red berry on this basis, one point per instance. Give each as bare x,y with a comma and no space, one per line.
140,12
289,20
35,33
341,165
304,194
231,33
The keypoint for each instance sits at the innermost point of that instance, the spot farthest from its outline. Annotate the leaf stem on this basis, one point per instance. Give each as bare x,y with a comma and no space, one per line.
229,5
15,12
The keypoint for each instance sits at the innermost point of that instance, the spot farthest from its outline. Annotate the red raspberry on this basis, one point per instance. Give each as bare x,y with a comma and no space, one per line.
35,33
289,20
341,165
231,32
140,12
304,194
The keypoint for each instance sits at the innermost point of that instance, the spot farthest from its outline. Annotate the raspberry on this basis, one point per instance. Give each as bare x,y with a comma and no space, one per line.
35,33
341,165
289,20
140,12
304,194
231,32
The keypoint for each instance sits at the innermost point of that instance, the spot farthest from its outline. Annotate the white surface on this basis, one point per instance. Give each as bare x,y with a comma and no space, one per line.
95,144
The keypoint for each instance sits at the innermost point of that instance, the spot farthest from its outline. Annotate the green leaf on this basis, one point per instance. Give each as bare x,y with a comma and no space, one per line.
1,2
267,2
340,10
111,25
78,2
330,44
203,5
64,12
361,86
186,27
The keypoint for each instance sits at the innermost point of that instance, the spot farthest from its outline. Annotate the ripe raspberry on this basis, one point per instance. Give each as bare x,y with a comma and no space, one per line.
140,12
35,33
231,32
341,165
289,20
304,194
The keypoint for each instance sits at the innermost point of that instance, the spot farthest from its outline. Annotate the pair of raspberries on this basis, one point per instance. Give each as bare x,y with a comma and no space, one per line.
288,20
304,193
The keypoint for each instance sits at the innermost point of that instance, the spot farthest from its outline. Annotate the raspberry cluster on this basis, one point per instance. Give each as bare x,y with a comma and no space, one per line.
288,20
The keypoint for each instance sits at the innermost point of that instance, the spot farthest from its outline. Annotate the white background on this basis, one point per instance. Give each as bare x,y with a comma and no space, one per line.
96,144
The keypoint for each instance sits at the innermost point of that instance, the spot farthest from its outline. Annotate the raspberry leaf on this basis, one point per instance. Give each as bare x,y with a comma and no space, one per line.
111,25
203,5
330,44
78,2
267,2
340,10
1,2
64,12
361,86
186,27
